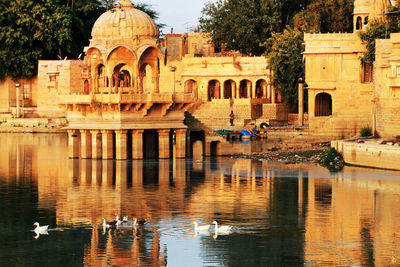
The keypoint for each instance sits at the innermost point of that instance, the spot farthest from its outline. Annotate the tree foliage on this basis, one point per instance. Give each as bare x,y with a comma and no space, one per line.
285,60
31,30
48,29
326,16
380,29
83,14
241,25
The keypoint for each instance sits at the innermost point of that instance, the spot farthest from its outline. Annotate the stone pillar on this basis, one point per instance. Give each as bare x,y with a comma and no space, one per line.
253,90
273,100
233,90
163,143
301,97
157,83
121,144
180,143
73,144
137,144
96,144
248,88
17,109
107,141
265,90
86,144
221,90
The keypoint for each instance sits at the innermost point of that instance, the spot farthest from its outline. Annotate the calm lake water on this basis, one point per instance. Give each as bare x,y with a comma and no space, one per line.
282,215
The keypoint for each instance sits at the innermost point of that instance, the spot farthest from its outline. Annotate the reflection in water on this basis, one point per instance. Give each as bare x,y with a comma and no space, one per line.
281,214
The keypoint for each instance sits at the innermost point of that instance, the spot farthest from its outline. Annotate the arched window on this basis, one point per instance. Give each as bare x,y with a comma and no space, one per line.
366,20
213,89
245,89
86,87
101,76
124,79
261,86
190,86
146,76
323,105
359,23
229,87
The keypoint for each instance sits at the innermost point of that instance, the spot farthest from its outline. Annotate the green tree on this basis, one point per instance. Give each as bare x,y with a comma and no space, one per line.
49,29
285,60
31,30
326,16
83,15
380,29
241,25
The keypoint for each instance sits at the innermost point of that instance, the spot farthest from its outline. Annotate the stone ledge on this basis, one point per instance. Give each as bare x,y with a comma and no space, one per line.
369,152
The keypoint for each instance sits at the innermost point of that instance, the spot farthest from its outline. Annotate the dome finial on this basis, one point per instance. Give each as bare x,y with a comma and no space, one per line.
125,3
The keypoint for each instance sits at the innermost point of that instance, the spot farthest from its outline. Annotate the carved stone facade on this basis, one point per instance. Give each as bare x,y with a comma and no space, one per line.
127,97
343,92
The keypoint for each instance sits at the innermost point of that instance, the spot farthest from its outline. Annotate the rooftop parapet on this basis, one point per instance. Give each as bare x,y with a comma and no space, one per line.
330,36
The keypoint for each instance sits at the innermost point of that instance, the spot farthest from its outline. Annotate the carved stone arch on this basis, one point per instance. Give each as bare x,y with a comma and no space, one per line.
229,89
149,56
359,23
121,58
191,87
112,50
213,89
141,50
101,54
323,105
245,88
261,88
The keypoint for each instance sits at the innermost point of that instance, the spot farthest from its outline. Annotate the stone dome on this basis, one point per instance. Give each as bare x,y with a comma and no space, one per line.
124,21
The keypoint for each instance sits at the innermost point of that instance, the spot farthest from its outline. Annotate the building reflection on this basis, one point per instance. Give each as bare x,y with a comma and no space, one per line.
343,220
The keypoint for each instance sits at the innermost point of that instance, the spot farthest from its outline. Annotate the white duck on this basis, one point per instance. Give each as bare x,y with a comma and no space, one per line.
222,229
112,224
40,229
202,228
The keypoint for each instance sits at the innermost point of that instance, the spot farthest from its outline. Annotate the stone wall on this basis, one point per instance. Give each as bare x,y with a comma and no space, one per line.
369,153
57,77
333,67
387,87
275,114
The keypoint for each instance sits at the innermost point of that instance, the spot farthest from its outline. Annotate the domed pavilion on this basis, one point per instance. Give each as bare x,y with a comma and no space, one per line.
122,111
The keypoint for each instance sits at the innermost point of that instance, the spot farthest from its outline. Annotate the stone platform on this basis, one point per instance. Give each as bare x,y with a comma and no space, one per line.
370,152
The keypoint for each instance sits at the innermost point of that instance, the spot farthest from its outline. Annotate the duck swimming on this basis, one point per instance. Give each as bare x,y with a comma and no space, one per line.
222,229
39,228
201,228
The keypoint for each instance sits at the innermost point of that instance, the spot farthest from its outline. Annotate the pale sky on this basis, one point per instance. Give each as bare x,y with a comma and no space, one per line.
182,15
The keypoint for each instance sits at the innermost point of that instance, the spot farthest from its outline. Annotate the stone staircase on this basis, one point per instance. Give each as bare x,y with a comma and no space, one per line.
213,115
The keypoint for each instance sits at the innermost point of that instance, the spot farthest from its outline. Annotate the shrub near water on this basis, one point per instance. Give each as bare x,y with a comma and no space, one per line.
332,159
366,131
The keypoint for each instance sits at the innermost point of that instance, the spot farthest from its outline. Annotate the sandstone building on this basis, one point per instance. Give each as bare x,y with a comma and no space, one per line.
127,97
346,95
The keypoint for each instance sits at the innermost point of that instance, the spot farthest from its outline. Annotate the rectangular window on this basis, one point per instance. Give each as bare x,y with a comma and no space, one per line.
27,91
398,71
367,72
